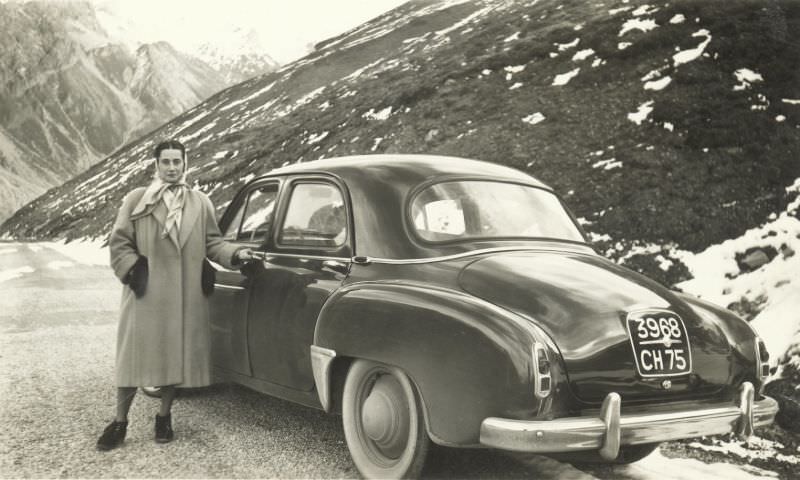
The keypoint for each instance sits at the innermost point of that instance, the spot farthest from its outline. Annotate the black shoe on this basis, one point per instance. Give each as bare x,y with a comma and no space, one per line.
164,433
113,435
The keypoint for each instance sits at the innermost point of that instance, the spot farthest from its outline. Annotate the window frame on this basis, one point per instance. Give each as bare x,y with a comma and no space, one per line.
241,201
344,250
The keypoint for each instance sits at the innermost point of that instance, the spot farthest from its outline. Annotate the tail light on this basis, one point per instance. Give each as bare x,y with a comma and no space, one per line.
542,378
762,359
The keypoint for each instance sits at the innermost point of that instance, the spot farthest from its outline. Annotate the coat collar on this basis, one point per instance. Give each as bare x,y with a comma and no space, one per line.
191,210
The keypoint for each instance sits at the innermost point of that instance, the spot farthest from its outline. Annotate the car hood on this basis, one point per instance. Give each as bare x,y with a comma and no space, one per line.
582,302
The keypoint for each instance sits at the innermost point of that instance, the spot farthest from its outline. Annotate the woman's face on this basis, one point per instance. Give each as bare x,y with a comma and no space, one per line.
170,165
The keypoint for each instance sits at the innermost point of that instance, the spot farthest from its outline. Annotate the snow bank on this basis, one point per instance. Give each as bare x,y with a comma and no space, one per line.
83,251
777,283
658,466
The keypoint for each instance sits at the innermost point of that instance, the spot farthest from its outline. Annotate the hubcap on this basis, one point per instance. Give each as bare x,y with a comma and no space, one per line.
385,416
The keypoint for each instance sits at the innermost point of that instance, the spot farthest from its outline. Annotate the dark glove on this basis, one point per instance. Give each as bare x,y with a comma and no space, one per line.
137,276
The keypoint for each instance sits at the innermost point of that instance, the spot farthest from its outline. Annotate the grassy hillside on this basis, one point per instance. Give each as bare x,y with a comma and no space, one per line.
549,87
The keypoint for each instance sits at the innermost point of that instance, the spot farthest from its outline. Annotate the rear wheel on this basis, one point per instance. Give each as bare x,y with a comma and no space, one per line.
383,422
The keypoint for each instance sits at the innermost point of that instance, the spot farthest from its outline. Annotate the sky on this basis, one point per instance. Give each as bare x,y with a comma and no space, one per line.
286,27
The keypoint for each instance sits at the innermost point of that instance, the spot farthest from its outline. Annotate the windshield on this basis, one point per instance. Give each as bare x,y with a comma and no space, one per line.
462,210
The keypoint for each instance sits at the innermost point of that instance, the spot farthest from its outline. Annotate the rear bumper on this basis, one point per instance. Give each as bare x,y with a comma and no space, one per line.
611,430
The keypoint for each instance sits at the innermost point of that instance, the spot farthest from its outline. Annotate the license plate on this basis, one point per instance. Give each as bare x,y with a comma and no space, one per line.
660,343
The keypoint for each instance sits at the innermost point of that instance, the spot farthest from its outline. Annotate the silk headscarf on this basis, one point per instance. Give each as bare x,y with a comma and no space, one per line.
172,194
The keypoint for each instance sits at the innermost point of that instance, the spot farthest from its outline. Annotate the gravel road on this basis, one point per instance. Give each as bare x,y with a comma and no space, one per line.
57,336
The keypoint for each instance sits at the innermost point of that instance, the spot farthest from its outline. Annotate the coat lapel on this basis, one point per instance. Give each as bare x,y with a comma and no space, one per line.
191,210
160,214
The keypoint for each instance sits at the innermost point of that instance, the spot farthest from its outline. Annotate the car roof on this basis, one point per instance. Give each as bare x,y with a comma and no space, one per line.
410,169
380,185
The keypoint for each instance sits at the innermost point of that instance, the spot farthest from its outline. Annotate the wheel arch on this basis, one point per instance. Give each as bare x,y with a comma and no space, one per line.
467,359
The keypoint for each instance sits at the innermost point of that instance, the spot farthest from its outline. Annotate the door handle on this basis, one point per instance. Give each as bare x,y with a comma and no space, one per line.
336,266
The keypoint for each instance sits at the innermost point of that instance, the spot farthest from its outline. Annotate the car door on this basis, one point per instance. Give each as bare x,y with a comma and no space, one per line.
247,222
307,258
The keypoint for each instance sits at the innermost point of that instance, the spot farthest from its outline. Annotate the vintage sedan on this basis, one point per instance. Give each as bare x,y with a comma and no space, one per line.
439,299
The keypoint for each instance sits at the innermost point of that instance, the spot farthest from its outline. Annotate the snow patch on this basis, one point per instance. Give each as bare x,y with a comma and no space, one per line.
6,275
644,10
83,251
669,126
642,113
746,77
566,46
755,448
317,137
615,11
686,56
582,54
376,143
790,101
623,45
58,264
677,18
609,164
638,24
515,86
534,118
380,115
514,68
511,38
564,78
659,84
780,118
220,154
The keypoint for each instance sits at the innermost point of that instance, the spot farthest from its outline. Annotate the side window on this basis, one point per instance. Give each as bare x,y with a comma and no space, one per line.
315,217
253,221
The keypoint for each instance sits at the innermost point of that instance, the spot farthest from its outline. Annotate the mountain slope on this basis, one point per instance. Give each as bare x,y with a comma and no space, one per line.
70,95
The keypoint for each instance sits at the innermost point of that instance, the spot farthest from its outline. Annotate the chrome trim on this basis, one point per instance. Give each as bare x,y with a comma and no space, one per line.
610,416
267,256
456,256
321,359
228,287
600,433
746,402
537,387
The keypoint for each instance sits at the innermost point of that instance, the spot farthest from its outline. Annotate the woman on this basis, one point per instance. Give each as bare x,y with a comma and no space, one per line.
158,245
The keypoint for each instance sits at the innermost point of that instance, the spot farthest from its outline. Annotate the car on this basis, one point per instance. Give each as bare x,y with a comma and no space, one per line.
431,299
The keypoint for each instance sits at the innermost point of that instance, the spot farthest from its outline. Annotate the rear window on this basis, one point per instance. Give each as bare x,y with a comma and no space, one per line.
462,210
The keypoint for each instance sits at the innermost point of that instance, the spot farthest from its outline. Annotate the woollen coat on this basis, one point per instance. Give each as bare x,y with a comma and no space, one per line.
163,338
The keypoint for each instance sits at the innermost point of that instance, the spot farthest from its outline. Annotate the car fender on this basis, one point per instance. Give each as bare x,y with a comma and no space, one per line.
469,359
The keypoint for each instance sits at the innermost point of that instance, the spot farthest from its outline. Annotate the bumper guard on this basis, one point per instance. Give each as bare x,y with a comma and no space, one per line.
611,430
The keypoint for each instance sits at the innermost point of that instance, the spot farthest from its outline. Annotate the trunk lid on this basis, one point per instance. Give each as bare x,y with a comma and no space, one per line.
588,305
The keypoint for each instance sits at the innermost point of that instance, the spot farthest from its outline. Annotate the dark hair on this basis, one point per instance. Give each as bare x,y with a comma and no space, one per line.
170,144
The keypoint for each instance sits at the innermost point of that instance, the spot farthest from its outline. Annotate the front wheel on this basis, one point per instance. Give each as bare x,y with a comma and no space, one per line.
383,422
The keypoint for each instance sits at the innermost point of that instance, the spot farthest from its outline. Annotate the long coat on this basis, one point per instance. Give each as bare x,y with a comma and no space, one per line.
163,337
